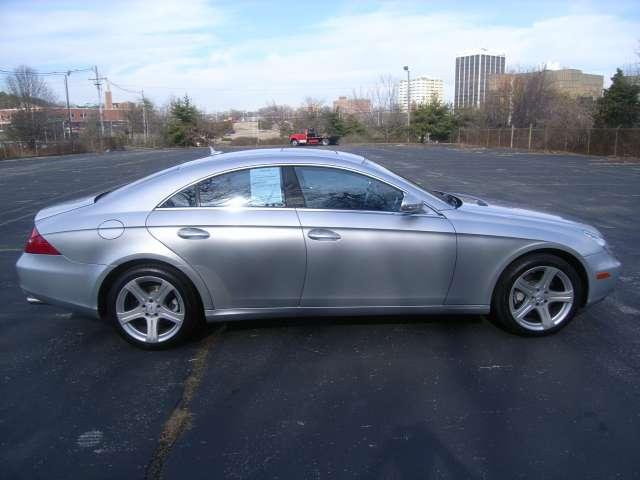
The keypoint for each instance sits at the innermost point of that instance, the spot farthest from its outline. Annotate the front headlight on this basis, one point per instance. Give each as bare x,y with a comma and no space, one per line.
596,238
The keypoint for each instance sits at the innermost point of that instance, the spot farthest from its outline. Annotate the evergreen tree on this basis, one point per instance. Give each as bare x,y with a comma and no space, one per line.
434,120
182,125
620,104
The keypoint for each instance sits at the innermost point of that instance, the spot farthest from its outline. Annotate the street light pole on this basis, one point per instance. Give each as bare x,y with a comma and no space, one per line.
406,68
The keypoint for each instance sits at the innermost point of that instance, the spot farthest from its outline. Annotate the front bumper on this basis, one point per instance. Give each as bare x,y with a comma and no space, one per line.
597,263
57,280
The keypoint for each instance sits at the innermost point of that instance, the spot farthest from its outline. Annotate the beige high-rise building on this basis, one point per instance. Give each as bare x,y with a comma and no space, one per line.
570,81
423,90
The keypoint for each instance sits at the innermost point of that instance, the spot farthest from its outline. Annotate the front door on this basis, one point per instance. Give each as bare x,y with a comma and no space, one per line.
235,231
361,251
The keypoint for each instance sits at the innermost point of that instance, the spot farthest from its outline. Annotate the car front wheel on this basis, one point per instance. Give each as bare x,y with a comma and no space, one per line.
537,295
153,307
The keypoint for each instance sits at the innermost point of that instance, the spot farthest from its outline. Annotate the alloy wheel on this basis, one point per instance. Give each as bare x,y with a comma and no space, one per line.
541,298
150,309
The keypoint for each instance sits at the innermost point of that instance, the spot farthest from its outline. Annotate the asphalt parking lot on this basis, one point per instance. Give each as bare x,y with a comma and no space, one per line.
407,397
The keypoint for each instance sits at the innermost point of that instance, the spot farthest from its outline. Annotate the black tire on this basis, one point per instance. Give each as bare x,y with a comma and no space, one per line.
294,143
325,141
190,306
500,305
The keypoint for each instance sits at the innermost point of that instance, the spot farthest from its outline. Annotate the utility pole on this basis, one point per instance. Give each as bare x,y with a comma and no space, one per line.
66,91
98,84
144,119
406,68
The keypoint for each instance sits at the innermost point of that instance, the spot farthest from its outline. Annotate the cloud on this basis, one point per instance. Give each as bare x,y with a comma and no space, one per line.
217,54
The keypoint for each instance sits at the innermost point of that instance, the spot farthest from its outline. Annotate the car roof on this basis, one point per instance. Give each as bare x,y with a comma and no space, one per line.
277,155
153,188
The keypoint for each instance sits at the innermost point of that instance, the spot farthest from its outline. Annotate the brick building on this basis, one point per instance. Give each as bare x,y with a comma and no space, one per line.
115,115
351,106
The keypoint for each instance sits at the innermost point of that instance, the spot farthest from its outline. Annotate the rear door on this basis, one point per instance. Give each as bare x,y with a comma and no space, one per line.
236,231
361,251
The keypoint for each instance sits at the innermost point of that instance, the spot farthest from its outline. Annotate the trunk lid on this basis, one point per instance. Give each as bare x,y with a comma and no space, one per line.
64,207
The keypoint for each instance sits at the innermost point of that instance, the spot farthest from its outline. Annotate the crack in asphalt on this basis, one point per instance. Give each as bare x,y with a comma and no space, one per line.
180,419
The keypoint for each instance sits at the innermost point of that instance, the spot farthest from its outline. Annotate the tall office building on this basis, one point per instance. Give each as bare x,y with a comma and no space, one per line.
472,71
424,90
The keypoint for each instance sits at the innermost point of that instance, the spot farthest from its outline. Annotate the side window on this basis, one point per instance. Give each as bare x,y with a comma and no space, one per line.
185,198
255,187
336,189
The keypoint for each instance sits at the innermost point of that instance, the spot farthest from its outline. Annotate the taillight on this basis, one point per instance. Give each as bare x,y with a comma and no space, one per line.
38,245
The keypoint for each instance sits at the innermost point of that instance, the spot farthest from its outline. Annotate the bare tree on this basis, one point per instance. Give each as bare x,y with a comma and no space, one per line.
387,118
278,115
311,114
384,94
31,122
497,109
30,88
530,98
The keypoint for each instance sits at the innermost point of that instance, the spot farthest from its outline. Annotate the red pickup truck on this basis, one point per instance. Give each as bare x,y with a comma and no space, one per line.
309,137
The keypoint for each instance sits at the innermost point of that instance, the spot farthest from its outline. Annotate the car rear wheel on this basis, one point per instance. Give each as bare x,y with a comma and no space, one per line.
153,307
294,143
325,141
537,295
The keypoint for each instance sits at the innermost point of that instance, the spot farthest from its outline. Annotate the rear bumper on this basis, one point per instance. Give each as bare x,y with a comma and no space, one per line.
597,263
56,280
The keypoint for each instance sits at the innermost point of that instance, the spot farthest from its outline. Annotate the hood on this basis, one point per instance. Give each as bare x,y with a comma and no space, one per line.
515,214
64,207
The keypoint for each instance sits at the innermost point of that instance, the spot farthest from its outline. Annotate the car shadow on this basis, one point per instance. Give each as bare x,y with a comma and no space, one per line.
453,322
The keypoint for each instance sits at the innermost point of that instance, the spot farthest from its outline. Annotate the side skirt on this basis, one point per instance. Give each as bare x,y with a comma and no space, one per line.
257,313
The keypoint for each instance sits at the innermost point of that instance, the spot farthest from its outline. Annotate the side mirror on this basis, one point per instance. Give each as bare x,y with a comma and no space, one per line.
411,205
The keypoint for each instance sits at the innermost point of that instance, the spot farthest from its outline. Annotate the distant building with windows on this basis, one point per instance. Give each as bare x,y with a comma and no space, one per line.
569,81
351,106
472,75
423,90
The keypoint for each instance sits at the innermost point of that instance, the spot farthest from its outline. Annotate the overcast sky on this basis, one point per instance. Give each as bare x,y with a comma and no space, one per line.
244,54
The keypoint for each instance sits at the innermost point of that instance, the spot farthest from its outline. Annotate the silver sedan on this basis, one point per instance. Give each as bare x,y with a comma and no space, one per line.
281,232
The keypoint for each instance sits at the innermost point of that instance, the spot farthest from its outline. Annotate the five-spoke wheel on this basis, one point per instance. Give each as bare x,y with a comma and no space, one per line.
150,309
537,294
153,306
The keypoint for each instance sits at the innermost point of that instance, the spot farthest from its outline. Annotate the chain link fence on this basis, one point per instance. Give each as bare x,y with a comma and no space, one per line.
618,142
11,149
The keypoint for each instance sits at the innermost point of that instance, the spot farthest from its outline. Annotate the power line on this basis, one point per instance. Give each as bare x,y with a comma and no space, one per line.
136,92
6,71
283,89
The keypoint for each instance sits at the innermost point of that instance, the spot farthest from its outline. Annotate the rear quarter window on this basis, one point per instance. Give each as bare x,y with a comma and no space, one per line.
185,198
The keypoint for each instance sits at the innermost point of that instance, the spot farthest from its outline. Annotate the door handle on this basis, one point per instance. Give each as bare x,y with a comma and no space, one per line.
192,233
323,234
